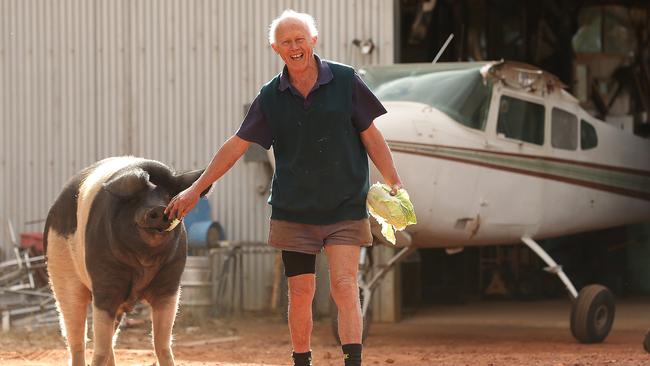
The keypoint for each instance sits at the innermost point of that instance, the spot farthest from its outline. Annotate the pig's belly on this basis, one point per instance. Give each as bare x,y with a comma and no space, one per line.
66,258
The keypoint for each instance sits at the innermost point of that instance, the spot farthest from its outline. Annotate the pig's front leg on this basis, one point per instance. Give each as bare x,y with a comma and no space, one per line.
162,319
103,328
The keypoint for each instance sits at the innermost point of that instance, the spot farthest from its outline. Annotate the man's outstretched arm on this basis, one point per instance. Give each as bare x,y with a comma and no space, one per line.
223,160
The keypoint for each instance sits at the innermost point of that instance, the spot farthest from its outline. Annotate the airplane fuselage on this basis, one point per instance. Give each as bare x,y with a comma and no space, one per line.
475,186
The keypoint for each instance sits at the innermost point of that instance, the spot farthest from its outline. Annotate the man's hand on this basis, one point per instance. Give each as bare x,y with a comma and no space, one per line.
395,188
183,203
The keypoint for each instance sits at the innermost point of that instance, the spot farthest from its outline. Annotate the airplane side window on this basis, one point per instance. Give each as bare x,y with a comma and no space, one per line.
588,136
521,120
564,130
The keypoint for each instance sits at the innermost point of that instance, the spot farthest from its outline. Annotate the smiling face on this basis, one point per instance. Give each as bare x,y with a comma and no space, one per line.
295,45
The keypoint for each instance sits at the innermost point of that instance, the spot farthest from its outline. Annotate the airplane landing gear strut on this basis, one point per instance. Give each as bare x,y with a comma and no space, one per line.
368,287
592,313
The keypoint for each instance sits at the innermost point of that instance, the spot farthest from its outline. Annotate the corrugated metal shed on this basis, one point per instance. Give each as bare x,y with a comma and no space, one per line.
163,79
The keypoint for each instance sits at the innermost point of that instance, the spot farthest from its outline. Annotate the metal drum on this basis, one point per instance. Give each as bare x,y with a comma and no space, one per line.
196,287
205,234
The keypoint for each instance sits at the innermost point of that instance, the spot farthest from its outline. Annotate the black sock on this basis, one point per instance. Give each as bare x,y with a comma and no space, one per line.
352,354
302,359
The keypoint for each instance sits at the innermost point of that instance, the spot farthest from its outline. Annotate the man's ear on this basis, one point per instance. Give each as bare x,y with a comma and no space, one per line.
185,180
126,184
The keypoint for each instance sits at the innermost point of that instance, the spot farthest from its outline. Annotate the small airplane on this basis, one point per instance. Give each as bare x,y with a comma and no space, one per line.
496,153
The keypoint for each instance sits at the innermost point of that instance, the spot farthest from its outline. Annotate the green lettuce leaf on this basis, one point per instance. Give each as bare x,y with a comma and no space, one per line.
392,212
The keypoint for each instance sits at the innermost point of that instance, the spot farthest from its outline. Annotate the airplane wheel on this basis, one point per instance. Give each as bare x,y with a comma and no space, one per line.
646,343
592,314
334,318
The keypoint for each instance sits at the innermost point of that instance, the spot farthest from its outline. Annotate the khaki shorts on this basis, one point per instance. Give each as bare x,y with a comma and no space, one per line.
311,239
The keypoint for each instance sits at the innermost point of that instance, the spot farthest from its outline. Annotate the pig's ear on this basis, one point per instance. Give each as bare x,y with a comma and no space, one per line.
128,183
186,179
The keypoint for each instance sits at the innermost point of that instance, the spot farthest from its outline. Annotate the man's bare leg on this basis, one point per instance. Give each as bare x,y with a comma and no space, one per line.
301,294
343,263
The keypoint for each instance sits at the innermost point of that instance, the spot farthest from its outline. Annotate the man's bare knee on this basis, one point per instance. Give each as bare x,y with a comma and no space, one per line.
344,289
301,291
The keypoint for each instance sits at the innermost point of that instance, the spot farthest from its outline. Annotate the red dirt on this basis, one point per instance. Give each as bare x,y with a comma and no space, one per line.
479,334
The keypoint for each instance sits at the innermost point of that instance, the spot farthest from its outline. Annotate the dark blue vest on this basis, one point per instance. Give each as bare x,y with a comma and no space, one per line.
321,165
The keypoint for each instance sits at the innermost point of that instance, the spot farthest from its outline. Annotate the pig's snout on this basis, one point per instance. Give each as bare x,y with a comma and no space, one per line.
155,218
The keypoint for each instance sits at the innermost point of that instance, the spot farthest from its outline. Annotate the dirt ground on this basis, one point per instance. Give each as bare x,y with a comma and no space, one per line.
483,333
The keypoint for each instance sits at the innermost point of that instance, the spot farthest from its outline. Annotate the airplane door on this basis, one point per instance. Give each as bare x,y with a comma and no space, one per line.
510,189
447,197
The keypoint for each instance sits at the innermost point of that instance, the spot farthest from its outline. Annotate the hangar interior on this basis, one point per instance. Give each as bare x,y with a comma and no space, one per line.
599,49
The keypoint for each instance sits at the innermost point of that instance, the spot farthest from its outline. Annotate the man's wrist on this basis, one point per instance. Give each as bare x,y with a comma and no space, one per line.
194,188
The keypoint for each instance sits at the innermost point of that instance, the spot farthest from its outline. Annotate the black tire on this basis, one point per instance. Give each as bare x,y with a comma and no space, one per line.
334,318
646,342
592,314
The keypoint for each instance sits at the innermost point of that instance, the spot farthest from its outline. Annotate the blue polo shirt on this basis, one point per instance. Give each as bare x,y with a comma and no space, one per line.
366,107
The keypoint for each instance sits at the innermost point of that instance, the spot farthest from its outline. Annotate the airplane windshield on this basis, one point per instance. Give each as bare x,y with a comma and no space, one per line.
461,94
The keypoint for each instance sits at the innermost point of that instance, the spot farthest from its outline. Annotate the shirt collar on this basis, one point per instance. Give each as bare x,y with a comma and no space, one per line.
324,75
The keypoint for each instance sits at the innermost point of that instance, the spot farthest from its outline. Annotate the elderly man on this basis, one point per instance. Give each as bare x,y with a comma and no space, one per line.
318,116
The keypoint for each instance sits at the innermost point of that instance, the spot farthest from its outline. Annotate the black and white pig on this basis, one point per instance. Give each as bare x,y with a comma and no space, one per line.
108,241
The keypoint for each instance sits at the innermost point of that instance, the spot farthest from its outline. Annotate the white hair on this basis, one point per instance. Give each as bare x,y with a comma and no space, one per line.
307,19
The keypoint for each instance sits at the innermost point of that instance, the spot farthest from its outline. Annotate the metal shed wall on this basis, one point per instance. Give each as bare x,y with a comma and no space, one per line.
163,79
